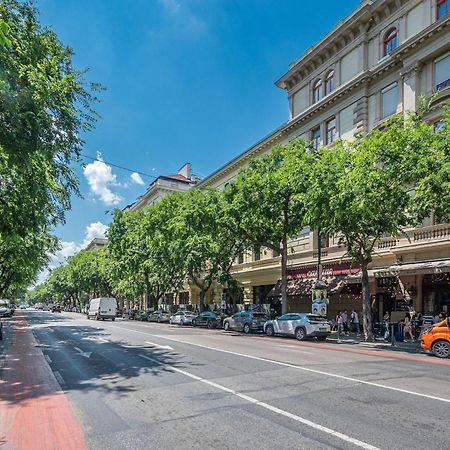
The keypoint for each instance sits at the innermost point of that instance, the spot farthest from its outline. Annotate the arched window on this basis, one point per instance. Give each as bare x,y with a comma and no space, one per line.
390,41
317,91
443,8
329,82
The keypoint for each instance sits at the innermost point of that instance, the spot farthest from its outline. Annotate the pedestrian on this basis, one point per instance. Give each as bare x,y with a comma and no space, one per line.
436,318
354,320
344,316
442,316
339,322
407,327
386,321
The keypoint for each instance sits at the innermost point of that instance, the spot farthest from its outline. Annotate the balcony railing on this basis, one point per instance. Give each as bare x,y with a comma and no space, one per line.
432,233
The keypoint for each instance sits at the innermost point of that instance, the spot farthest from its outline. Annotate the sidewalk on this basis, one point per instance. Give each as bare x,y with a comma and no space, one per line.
353,339
34,412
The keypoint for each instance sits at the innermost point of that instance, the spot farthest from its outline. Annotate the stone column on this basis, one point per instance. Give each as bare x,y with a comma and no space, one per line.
418,302
410,87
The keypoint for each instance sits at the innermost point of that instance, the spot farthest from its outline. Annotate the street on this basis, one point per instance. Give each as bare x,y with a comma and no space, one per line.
135,385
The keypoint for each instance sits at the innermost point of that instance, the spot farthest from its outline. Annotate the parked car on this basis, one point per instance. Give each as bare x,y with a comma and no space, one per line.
299,325
23,306
436,339
55,308
5,309
245,321
102,308
159,316
208,319
142,315
182,318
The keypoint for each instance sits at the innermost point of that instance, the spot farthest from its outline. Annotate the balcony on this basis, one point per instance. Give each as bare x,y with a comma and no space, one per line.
435,232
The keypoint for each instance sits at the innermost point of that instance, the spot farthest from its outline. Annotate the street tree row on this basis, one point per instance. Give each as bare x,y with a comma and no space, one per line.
45,108
360,191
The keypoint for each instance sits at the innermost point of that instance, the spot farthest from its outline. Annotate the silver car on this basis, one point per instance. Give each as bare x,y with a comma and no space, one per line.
182,318
300,325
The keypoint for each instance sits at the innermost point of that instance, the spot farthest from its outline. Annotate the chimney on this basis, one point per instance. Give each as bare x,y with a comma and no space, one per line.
185,171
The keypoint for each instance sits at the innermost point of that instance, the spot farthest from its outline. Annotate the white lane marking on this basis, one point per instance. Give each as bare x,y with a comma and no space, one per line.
305,369
294,347
164,347
102,340
59,377
47,357
271,408
82,353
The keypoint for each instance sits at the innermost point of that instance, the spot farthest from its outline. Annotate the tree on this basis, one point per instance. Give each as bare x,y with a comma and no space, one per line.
209,248
359,193
45,108
429,167
265,203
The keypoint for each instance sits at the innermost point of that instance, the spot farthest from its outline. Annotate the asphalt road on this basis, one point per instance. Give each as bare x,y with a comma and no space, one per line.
146,386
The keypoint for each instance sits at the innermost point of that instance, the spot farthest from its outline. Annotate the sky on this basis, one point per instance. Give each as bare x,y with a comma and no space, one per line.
185,81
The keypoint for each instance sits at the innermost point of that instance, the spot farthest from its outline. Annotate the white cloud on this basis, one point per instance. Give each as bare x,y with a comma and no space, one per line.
136,178
100,177
94,230
67,249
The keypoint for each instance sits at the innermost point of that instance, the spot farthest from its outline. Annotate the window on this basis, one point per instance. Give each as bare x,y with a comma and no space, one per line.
390,41
331,130
329,83
241,258
389,100
315,138
442,72
438,126
275,253
443,8
256,253
317,91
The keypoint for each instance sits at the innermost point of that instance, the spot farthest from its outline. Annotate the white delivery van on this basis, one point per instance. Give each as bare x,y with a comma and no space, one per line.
102,308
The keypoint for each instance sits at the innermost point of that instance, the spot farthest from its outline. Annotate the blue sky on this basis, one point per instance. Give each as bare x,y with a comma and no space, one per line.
186,80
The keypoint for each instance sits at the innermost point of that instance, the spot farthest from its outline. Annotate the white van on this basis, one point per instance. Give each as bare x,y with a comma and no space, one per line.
102,308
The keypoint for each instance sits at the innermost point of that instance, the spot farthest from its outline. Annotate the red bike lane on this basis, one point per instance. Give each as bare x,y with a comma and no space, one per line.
35,414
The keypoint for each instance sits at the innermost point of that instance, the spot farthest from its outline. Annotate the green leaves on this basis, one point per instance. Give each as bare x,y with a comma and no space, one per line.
45,107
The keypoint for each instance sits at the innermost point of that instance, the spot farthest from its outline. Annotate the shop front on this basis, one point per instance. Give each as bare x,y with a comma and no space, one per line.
343,288
436,293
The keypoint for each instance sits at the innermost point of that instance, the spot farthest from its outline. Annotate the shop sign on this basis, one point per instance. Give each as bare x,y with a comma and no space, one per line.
328,270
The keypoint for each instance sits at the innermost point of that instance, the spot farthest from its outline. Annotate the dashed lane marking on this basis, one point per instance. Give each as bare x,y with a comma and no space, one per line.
271,408
294,366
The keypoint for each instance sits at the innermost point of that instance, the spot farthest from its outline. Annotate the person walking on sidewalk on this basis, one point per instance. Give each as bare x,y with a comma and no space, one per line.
407,327
354,320
386,320
344,316
339,322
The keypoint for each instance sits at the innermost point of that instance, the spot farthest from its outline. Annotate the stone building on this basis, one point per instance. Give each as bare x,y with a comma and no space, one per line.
376,62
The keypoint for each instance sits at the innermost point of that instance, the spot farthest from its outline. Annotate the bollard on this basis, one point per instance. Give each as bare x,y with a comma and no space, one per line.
392,336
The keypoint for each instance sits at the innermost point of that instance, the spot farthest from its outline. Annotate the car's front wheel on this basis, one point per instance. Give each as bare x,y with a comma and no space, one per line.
194,323
158,320
181,323
300,334
226,326
247,328
441,349
209,324
270,331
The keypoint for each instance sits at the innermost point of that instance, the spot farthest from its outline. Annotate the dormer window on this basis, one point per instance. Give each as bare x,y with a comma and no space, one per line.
390,41
443,8
317,91
329,82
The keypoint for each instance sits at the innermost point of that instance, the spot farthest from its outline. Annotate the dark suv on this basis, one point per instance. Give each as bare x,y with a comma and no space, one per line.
245,321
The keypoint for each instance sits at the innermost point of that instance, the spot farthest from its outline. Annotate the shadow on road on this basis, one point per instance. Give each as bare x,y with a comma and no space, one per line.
80,358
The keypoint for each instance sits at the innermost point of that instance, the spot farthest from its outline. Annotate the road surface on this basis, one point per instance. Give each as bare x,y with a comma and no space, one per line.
135,385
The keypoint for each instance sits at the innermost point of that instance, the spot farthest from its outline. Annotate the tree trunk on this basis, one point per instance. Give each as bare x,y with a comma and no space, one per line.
367,307
201,299
284,298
